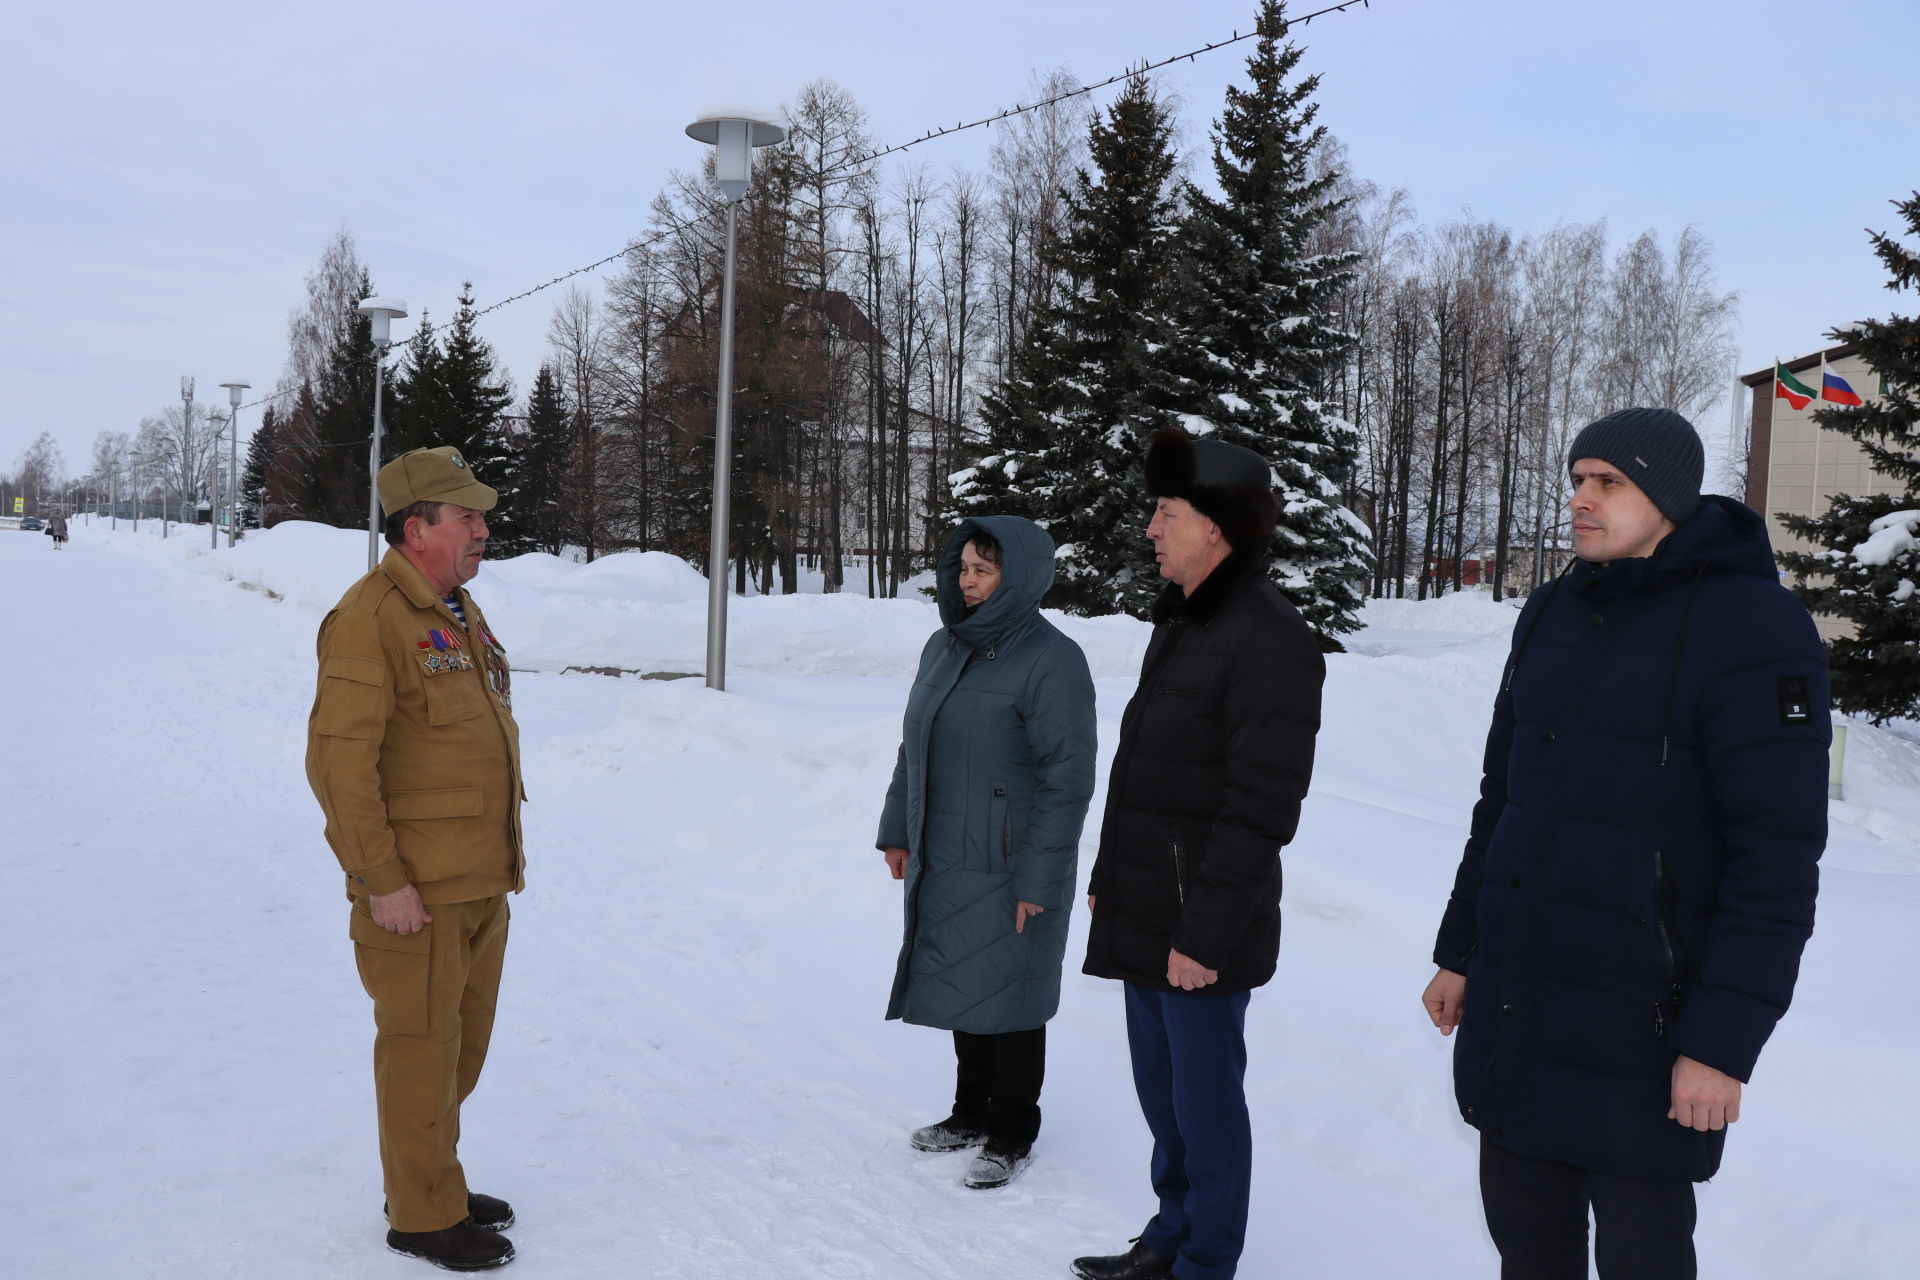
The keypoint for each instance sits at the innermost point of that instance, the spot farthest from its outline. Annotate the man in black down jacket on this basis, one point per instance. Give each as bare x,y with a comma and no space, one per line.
1627,921
1216,750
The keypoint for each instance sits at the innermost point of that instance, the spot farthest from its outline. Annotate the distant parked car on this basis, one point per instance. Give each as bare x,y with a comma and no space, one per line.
33,524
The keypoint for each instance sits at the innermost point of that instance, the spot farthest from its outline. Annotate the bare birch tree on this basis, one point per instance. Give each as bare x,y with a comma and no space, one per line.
333,290
576,337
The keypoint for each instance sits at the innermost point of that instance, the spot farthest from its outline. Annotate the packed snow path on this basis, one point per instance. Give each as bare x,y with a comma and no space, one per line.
690,1077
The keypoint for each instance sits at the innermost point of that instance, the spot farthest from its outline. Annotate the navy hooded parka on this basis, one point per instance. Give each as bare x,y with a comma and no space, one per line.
1639,880
989,793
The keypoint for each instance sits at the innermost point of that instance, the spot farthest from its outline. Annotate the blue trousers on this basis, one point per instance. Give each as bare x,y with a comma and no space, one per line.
1190,1069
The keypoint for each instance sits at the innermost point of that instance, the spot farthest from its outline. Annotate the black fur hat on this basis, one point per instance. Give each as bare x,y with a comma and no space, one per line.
1229,485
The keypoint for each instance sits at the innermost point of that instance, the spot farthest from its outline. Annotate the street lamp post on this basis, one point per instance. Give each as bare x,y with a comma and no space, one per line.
213,482
233,457
382,312
733,132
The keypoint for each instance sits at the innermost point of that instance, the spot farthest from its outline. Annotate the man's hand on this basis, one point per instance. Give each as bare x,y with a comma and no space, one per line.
1189,974
896,861
400,911
1023,912
1703,1098
1445,998
1090,898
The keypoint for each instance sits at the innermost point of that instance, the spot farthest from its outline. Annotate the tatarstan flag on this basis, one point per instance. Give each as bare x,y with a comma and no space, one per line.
1791,389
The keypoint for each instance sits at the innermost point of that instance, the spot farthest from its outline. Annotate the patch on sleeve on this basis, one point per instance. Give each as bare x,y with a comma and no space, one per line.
1795,710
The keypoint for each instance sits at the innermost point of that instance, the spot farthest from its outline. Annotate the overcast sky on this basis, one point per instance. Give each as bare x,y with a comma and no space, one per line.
172,171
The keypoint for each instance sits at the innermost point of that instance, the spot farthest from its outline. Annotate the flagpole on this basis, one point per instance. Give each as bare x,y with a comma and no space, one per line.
1813,503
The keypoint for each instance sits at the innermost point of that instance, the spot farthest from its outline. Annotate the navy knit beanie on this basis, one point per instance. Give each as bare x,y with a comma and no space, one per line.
1657,449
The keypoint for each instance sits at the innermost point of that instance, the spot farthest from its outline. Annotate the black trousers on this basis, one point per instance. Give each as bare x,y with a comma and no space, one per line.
997,1083
1537,1214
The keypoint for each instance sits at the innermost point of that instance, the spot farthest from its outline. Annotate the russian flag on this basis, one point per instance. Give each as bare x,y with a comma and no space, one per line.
1834,389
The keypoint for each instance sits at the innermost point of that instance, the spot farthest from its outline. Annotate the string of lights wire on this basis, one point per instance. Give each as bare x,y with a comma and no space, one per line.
1019,108
1116,78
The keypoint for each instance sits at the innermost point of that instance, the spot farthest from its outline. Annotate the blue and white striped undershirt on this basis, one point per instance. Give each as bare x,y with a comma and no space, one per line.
453,603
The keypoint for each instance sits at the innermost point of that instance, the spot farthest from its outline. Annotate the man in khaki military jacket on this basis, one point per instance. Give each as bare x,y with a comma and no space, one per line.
415,758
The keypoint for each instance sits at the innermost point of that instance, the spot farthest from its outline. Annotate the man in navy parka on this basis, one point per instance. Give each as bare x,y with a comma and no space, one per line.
1626,923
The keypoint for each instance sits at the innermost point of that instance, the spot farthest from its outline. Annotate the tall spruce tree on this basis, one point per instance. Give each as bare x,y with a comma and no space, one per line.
1256,339
333,486
415,401
1868,571
259,465
453,393
545,454
1065,434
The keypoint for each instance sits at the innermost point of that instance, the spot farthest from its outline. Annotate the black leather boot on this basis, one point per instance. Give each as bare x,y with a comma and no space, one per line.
1137,1263
484,1211
997,1164
955,1133
460,1247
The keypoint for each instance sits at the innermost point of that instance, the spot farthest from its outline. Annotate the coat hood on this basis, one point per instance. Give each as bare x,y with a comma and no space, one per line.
1722,536
1026,572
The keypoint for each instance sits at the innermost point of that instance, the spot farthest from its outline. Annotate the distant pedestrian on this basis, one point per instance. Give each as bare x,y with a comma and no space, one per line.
414,755
57,530
983,824
1627,919
1215,754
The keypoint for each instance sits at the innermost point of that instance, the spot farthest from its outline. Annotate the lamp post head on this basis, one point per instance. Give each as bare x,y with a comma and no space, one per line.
233,393
735,132
383,312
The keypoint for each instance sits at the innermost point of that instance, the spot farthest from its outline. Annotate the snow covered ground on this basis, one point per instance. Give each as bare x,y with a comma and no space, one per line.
690,1076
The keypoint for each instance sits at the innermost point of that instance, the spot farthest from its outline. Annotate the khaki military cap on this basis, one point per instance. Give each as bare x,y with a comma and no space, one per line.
432,475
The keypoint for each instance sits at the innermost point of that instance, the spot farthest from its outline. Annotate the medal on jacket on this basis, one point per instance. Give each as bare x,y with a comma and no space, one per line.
498,674
445,652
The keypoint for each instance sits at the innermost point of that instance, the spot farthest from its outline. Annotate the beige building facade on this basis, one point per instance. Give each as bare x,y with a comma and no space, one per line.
1793,466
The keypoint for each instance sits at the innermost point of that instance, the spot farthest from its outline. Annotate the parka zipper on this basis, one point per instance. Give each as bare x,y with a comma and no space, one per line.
1179,871
1662,901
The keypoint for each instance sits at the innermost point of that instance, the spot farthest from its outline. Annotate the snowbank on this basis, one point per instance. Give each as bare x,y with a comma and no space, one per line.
642,611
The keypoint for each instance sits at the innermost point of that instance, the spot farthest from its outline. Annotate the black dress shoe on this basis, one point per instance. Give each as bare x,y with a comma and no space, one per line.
1137,1263
483,1211
460,1247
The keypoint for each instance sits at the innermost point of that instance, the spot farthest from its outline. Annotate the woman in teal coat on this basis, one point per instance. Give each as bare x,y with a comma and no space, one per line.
983,822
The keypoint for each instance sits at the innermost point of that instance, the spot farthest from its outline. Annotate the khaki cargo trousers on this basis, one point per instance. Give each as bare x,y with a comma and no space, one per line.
433,997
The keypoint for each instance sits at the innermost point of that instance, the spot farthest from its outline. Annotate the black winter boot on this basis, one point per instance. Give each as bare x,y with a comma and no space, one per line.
1137,1263
955,1133
997,1165
461,1247
484,1211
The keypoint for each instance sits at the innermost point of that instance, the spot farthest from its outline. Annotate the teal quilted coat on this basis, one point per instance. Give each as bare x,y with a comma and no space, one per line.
995,770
